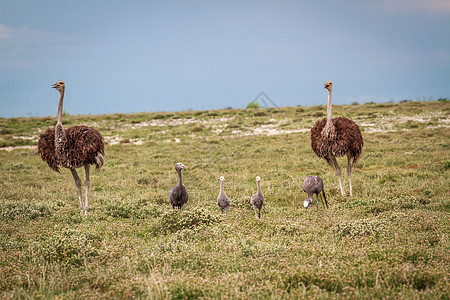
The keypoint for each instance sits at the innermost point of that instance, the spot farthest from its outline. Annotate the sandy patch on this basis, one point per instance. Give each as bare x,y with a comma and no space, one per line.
115,139
219,126
177,122
389,124
8,149
174,140
29,138
267,130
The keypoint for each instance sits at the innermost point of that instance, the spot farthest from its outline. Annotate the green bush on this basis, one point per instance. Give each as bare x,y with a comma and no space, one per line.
69,247
289,228
447,165
252,105
259,114
128,209
174,220
24,210
323,280
183,291
387,178
359,228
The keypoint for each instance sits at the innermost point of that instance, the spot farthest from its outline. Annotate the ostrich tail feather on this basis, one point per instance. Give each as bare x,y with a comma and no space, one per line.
99,161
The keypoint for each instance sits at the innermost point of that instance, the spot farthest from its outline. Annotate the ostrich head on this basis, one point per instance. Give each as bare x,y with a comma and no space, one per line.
222,178
328,85
258,178
60,85
307,203
179,166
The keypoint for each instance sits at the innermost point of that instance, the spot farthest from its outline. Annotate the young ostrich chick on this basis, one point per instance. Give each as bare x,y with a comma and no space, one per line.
313,185
222,200
178,195
257,199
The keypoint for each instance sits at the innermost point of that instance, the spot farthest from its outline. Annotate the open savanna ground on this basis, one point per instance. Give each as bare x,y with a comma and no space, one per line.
390,240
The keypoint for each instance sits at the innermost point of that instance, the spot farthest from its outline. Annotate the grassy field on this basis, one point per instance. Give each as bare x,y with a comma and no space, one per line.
390,240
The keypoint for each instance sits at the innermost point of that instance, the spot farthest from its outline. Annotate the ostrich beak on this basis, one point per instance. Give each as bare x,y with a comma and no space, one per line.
184,167
54,85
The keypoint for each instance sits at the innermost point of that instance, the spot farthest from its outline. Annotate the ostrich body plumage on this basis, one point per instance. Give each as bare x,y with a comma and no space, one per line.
83,145
343,137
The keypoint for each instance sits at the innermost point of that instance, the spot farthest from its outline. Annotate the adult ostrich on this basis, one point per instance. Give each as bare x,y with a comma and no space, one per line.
72,148
331,138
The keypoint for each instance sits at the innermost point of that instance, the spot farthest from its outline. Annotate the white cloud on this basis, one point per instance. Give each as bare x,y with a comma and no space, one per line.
416,6
24,46
25,36
5,31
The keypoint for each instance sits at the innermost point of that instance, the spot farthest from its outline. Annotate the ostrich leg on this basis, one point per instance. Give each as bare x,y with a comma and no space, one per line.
317,201
86,186
78,184
338,173
256,212
349,171
324,198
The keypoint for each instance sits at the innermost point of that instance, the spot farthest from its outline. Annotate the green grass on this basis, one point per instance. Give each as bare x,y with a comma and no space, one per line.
389,241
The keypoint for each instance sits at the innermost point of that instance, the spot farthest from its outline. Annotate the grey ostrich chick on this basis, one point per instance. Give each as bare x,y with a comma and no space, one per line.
222,200
257,199
178,195
313,185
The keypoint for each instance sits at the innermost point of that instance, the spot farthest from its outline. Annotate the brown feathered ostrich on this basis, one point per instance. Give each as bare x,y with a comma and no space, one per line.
72,148
331,138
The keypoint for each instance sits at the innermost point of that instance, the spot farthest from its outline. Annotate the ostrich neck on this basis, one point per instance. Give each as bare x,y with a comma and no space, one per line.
60,107
179,178
221,187
60,135
259,188
329,107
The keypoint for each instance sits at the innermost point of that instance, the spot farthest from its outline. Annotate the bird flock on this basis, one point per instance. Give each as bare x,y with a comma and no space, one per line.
82,146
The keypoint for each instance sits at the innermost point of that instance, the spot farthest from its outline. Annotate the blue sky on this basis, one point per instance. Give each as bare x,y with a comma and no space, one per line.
134,56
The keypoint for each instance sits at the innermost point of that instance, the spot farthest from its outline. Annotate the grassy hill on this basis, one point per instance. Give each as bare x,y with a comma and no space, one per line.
391,239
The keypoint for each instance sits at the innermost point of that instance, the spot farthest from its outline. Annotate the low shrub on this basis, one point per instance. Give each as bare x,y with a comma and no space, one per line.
184,291
259,114
128,209
323,280
24,210
289,228
387,178
318,114
174,220
69,247
447,165
252,105
359,228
